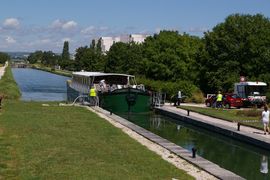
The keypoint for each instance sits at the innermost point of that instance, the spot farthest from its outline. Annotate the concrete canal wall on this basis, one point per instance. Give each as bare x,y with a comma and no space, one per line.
246,134
200,162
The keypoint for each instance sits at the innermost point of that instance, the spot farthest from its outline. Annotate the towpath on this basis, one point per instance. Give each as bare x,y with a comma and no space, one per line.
245,133
2,69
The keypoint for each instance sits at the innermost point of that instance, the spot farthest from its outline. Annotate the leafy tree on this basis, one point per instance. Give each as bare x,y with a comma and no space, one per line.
49,58
169,56
93,44
35,57
124,58
4,57
99,49
65,53
238,46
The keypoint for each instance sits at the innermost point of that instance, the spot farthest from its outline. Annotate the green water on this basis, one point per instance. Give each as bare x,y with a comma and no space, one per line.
240,158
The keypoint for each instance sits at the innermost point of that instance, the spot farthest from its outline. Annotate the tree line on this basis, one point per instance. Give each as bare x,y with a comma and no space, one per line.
170,61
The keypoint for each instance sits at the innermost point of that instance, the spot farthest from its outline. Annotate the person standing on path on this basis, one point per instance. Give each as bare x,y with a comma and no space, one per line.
219,100
265,119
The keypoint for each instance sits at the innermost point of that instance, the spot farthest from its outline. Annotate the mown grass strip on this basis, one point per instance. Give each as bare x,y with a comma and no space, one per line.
54,71
231,115
8,86
53,142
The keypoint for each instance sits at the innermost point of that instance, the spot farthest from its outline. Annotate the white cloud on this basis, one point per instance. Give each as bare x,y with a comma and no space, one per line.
45,41
66,39
88,30
65,25
69,25
11,23
10,40
57,24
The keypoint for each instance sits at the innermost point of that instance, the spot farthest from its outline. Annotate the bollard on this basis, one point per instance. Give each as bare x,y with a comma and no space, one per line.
187,112
110,112
238,126
194,152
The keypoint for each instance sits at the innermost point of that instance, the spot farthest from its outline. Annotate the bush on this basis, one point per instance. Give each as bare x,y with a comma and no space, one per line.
197,97
171,88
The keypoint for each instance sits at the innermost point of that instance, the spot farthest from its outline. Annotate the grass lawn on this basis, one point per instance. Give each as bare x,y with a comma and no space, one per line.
246,117
52,142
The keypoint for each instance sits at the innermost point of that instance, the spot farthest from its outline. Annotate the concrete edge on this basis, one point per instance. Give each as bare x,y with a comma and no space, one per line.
227,131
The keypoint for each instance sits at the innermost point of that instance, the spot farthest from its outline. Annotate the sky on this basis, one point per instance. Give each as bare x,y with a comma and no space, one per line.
29,25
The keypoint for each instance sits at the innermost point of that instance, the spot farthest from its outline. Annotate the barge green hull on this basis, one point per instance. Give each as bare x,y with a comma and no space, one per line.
125,100
118,101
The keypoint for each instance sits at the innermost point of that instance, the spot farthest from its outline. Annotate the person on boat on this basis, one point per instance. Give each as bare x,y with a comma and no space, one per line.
93,95
103,85
265,119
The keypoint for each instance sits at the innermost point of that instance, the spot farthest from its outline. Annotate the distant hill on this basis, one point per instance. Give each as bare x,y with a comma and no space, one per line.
18,55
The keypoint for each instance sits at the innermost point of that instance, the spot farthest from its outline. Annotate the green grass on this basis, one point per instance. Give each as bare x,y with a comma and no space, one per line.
40,142
55,71
246,117
8,86
52,142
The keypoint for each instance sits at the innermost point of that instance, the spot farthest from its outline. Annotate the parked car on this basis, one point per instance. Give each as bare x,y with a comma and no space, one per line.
229,100
232,100
211,101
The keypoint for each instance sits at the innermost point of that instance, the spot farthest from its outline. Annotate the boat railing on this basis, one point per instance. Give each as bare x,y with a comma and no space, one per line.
141,87
158,99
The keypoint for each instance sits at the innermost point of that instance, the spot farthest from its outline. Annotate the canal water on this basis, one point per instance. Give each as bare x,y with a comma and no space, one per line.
242,159
36,85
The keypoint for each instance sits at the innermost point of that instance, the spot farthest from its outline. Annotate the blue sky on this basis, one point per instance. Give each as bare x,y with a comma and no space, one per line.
29,25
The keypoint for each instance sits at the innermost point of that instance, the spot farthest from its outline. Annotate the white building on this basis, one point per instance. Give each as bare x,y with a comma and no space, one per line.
107,42
137,38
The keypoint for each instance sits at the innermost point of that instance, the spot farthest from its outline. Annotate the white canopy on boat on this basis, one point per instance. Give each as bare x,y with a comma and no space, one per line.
111,78
94,74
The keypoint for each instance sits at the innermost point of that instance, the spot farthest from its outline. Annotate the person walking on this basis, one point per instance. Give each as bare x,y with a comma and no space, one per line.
93,95
265,119
219,100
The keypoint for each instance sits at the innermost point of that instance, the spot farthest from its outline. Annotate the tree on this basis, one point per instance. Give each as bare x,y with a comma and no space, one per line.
4,57
168,56
49,58
93,44
35,57
99,49
238,46
65,52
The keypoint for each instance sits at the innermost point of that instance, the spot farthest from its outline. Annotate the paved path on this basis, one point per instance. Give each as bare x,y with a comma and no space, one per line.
247,134
2,70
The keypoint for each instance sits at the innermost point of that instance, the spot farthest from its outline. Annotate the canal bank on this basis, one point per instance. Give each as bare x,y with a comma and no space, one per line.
242,133
71,138
200,162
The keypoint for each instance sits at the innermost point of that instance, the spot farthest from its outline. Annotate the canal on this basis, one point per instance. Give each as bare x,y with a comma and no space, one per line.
245,160
36,85
242,159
